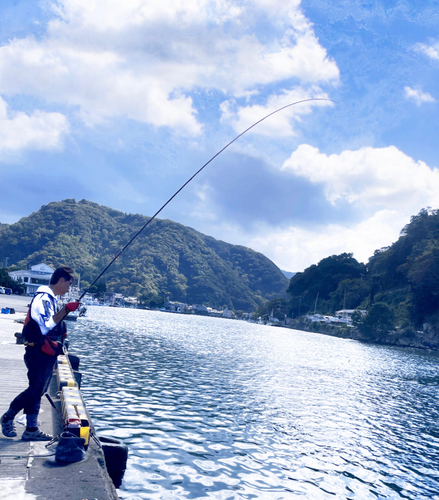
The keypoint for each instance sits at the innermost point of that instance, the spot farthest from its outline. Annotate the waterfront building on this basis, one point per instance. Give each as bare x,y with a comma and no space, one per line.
174,306
34,277
227,313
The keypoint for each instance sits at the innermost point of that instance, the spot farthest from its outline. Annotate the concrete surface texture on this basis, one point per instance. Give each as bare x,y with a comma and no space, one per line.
28,470
17,302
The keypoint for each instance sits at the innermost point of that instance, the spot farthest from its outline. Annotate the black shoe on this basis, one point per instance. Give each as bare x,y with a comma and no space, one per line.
8,427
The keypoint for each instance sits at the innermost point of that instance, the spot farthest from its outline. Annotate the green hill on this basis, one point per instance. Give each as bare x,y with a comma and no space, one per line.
167,259
406,274
398,287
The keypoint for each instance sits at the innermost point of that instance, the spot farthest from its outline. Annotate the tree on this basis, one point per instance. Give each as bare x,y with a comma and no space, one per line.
152,300
350,294
99,289
357,318
168,259
6,281
423,275
379,320
322,279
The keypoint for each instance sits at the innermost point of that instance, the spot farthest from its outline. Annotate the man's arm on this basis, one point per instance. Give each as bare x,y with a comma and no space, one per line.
60,315
43,311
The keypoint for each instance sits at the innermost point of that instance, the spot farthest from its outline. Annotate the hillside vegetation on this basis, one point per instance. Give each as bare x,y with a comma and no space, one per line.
398,287
167,260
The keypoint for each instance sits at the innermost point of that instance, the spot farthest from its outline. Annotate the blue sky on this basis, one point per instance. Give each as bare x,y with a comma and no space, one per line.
121,102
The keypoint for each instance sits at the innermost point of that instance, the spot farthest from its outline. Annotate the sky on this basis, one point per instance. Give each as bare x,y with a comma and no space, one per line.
120,103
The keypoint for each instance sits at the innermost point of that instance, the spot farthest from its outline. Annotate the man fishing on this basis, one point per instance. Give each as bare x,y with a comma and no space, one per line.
44,321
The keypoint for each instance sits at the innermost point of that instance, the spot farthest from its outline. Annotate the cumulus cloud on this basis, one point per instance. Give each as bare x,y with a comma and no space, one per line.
384,185
142,59
370,178
418,96
38,131
92,81
355,201
296,248
318,204
431,51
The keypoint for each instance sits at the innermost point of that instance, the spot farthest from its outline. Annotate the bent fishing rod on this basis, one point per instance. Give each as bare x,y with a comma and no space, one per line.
193,177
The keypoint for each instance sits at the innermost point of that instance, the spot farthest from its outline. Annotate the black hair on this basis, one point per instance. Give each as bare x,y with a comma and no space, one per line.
62,272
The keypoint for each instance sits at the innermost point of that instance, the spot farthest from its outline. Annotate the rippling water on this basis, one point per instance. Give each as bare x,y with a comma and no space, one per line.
223,409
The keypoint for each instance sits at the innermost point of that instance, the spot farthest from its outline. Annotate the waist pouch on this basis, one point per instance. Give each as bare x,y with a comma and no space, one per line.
51,347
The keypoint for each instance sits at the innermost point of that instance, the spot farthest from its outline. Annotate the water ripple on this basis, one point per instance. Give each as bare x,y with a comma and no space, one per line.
222,409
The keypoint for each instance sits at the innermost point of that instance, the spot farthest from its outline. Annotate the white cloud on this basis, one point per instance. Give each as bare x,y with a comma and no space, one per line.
384,187
142,59
92,81
369,178
431,51
118,16
296,248
283,125
418,96
38,131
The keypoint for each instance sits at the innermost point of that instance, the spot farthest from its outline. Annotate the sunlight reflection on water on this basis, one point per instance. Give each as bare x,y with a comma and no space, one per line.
223,409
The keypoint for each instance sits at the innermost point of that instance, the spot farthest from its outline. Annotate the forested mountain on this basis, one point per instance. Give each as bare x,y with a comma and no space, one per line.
167,259
171,261
332,284
402,278
406,274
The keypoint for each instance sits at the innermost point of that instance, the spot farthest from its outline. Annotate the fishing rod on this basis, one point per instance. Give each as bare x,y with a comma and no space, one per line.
193,176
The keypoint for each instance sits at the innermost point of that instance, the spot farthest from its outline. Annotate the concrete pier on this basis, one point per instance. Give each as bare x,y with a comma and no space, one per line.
28,470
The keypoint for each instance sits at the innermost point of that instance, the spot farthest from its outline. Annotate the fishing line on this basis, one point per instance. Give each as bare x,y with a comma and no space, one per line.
194,175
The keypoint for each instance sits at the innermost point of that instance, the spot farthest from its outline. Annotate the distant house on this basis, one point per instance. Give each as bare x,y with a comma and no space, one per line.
131,300
214,312
272,318
200,309
109,298
34,277
176,307
113,299
347,313
227,313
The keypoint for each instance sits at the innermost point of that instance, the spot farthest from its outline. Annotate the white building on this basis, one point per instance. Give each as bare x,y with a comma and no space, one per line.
347,313
227,313
33,278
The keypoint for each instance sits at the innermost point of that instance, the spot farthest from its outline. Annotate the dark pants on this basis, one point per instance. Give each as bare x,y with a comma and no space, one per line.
39,372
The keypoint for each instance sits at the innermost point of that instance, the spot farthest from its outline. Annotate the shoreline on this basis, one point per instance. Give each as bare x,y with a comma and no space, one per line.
426,342
28,469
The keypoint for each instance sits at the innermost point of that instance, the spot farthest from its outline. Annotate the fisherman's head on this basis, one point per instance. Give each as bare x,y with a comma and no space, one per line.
61,280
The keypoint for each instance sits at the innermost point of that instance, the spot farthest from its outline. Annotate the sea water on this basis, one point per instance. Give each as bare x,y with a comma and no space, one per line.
224,409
